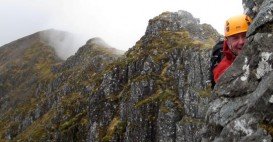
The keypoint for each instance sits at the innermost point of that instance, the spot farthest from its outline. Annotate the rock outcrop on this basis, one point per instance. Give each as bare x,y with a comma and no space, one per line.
158,91
243,108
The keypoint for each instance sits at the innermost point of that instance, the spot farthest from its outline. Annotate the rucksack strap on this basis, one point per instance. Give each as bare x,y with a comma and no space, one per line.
216,57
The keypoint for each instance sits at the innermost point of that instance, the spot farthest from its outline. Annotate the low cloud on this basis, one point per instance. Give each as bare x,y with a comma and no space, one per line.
64,43
120,23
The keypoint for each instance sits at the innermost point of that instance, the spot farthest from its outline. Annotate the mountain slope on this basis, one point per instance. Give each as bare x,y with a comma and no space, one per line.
34,81
26,67
25,64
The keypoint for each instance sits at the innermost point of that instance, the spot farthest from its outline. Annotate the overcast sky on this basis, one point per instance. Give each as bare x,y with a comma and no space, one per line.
119,22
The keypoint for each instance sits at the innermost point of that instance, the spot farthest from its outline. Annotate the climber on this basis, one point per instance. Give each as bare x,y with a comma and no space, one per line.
235,36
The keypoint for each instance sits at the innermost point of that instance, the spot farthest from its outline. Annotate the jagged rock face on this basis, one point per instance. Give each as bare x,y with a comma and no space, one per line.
150,107
251,8
159,90
243,109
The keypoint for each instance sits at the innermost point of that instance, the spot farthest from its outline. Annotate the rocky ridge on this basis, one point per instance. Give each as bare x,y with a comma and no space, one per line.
158,90
43,106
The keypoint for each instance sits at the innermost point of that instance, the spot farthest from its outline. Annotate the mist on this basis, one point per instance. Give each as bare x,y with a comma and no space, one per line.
64,43
119,23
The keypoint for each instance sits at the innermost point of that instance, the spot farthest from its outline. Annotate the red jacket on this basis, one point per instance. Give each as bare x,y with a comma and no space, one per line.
225,63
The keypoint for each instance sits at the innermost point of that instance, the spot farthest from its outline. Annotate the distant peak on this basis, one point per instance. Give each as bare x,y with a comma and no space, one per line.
96,40
181,15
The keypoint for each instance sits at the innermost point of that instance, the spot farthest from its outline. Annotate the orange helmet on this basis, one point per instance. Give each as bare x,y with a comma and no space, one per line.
237,24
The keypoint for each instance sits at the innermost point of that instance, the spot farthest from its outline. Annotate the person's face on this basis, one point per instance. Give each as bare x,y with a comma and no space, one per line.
236,42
